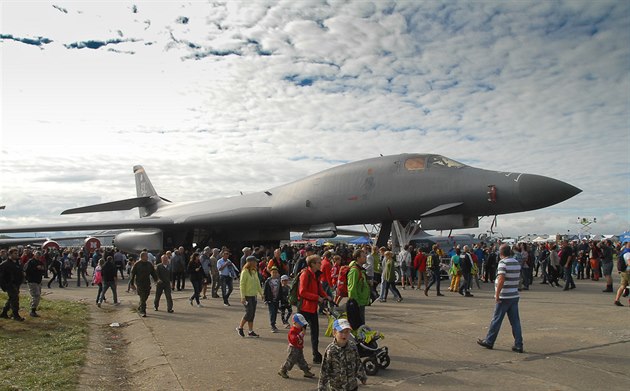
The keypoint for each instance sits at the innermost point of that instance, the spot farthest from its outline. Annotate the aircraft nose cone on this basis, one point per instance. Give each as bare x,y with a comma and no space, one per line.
537,191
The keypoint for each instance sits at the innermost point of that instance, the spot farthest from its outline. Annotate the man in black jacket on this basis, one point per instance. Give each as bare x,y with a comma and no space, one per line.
55,267
34,272
11,277
108,275
140,276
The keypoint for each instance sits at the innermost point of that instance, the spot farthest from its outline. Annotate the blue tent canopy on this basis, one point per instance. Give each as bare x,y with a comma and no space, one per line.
624,237
361,240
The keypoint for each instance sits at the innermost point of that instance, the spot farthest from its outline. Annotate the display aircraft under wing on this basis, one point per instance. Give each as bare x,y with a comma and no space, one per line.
440,192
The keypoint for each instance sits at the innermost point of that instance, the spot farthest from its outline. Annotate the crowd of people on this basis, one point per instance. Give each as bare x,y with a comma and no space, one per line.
307,277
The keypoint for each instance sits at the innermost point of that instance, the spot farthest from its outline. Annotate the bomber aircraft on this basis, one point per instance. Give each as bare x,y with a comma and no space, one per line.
439,192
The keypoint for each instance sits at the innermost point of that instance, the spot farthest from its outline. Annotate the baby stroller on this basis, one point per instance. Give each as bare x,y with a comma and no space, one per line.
372,356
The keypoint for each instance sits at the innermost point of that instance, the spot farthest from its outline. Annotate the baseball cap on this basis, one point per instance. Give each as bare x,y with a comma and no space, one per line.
251,258
284,277
341,324
274,268
300,319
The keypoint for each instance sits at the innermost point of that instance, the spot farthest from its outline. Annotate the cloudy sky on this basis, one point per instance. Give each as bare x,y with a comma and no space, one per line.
214,98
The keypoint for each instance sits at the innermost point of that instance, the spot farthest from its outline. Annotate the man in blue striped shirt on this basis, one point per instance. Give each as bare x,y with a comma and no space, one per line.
506,297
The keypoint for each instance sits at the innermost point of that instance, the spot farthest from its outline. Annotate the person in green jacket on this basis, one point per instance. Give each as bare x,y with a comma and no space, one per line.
250,288
389,279
358,286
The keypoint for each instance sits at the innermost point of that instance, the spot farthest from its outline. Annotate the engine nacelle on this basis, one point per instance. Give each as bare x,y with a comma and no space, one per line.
136,241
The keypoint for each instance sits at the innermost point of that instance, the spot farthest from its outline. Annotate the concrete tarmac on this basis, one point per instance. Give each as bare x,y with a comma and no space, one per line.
574,340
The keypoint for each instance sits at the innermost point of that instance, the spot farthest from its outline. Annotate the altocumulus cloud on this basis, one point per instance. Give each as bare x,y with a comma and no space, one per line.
225,97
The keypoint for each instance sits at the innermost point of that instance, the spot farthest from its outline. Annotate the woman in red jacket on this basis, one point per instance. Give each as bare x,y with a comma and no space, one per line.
311,294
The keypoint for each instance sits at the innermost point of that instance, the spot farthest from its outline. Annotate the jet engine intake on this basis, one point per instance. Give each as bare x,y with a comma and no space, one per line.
319,235
136,241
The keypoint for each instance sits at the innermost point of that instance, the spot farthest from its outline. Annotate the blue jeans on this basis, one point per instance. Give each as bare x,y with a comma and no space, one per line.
568,278
196,290
106,286
435,279
466,281
389,286
273,312
226,288
509,307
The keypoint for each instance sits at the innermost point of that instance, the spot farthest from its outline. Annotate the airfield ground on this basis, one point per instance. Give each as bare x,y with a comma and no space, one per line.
575,340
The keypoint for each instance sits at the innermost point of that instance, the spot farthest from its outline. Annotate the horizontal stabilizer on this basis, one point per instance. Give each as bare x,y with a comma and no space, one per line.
113,206
442,208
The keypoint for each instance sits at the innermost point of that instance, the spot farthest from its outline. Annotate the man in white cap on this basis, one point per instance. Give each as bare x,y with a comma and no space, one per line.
341,366
247,251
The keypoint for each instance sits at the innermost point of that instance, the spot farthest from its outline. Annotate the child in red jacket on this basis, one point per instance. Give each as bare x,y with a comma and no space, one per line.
296,348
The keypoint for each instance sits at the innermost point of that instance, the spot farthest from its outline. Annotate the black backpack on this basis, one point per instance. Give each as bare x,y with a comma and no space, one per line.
5,278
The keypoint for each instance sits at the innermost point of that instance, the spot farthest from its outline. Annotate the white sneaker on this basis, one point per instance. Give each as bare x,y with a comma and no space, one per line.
199,306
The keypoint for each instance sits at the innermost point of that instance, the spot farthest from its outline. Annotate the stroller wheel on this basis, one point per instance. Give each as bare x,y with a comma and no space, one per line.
371,366
383,360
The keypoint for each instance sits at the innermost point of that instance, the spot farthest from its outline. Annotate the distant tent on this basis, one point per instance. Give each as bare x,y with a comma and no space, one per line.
361,240
624,237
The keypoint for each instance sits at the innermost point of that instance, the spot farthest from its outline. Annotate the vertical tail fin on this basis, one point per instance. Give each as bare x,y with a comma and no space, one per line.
144,188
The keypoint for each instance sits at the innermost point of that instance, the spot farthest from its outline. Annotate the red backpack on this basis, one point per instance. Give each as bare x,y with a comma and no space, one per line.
342,281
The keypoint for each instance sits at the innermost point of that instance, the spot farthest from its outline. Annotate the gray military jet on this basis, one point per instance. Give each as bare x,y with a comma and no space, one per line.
442,193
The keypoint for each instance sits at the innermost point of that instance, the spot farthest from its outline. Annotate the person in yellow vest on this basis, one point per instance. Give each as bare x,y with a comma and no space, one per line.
455,271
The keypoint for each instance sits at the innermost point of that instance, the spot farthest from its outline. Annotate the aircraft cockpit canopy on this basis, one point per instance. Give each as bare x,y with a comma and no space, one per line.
416,163
420,163
441,161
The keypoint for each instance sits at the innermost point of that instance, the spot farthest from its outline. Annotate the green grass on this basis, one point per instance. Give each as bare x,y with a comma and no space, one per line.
44,353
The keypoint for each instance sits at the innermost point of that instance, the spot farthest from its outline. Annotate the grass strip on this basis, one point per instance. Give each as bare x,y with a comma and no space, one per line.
44,353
